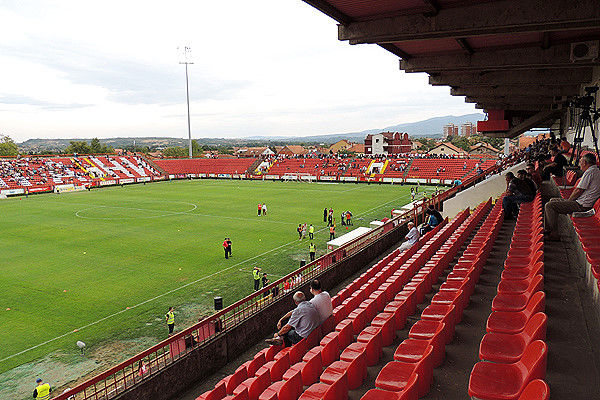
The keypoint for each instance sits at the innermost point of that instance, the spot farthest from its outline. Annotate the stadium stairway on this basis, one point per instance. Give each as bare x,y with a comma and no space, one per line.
571,368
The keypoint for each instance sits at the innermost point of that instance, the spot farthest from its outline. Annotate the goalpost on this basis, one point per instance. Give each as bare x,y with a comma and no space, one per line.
298,176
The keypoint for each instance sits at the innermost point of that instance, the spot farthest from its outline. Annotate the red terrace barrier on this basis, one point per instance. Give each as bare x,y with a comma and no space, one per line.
126,374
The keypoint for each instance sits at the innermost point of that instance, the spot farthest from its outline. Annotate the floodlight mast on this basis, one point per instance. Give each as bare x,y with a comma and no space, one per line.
186,50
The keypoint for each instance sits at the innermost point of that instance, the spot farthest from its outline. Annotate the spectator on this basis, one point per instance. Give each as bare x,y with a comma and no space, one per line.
556,166
522,174
411,237
302,321
535,176
583,197
321,300
430,222
517,192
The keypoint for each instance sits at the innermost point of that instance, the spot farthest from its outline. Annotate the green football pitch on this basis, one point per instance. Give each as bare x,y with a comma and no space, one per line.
103,266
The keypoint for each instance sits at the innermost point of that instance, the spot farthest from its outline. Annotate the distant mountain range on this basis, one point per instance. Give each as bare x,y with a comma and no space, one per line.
432,128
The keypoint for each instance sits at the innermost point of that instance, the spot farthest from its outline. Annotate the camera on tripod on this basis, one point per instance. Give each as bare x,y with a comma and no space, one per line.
588,100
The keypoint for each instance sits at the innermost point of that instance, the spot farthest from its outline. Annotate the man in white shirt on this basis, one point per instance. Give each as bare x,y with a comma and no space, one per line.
411,237
585,194
321,300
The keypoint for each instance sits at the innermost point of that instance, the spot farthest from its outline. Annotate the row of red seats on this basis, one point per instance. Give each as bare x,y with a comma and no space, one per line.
587,229
416,357
312,362
387,308
514,352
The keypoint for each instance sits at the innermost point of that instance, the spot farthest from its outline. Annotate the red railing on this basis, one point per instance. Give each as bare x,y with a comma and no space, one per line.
132,371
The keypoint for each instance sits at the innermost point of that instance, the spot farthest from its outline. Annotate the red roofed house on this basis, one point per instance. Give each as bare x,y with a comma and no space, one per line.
387,143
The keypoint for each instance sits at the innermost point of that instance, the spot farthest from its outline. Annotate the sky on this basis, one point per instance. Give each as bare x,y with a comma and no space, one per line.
85,69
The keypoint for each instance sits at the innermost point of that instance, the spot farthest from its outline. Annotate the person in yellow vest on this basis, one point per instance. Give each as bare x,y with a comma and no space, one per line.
42,391
170,316
256,276
311,232
312,250
332,232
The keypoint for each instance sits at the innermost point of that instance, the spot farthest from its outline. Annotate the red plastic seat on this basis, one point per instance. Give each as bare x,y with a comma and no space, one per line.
253,365
353,370
434,333
328,325
370,307
537,389
270,352
314,337
232,381
243,395
511,286
398,308
215,394
322,391
410,392
275,368
283,390
359,319
493,381
523,273
340,313
296,352
330,348
455,298
509,348
396,375
514,322
356,353
441,313
345,333
387,323
409,297
255,385
309,369
371,336
517,302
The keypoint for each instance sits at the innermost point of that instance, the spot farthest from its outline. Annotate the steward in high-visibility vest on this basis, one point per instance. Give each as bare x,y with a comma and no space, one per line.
311,231
42,391
312,250
170,320
332,232
256,276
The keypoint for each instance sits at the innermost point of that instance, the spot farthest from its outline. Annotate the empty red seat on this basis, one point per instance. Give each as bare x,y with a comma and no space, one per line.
359,319
371,337
253,365
396,375
276,368
537,389
399,309
296,351
432,332
283,390
494,381
330,348
309,369
509,348
517,301
255,385
345,333
410,392
322,391
443,313
232,381
387,323
215,394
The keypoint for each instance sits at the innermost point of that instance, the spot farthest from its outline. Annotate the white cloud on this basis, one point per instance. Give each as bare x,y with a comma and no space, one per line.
267,67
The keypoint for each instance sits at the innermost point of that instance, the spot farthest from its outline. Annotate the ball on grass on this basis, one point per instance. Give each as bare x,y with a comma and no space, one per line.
84,252
260,240
180,269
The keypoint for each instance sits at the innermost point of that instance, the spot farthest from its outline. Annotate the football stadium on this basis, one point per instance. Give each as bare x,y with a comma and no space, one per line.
390,274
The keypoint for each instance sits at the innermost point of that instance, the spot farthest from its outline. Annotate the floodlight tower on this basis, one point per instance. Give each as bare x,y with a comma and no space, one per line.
185,61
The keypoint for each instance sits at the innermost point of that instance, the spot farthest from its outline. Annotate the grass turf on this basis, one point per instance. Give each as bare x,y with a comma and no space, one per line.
76,261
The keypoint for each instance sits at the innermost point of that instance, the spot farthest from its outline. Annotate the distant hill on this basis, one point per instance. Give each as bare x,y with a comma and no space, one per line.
432,127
